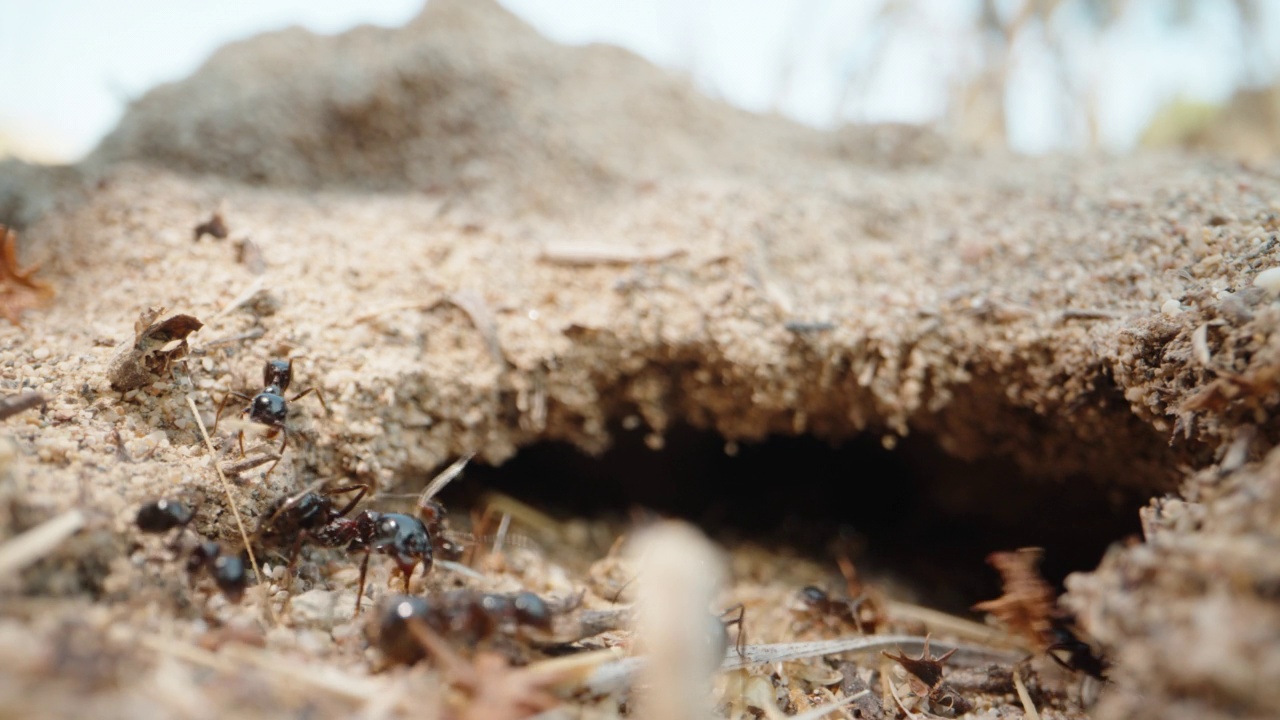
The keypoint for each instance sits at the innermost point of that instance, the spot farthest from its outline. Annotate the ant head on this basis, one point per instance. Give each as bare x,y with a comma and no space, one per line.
229,574
277,374
163,515
389,629
812,595
268,409
532,610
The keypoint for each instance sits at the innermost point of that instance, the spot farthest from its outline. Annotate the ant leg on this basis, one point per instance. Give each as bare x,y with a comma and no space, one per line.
241,443
221,405
284,432
741,644
319,394
359,490
364,572
290,569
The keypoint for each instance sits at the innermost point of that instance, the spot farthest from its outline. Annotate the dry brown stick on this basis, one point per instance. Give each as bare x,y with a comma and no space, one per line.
15,404
37,542
226,488
234,469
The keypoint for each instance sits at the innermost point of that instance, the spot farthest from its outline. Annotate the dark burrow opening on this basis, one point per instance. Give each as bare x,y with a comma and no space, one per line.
914,513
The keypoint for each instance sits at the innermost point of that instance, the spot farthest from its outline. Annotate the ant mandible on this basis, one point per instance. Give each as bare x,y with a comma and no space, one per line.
227,571
408,540
270,407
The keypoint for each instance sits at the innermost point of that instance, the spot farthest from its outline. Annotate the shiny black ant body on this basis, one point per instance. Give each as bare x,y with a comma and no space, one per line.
465,617
227,571
408,540
270,407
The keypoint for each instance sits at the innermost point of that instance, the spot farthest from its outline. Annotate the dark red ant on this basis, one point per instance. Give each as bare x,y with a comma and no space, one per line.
466,617
408,540
227,571
270,407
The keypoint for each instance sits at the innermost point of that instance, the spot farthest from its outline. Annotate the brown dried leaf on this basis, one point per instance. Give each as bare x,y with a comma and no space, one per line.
1029,604
18,289
155,346
215,226
927,670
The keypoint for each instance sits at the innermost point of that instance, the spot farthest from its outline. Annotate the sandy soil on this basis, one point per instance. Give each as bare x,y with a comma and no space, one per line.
477,240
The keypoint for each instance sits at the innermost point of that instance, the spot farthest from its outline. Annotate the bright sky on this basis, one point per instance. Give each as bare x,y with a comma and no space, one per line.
67,67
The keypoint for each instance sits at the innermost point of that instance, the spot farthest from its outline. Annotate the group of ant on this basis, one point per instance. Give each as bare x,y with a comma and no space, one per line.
411,540
324,518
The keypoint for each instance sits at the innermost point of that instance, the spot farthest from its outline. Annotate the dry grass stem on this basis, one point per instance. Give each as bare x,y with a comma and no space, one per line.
938,621
1025,697
235,511
20,551
589,253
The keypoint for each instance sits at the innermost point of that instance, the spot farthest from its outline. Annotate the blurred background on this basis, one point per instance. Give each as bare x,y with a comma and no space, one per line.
1033,76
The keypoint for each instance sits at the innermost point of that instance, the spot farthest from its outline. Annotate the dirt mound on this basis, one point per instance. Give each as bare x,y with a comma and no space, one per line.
480,240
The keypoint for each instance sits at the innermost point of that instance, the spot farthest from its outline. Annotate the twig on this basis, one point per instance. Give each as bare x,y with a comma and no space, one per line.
252,334
39,541
937,620
756,654
1027,706
235,468
1090,314
587,253
254,288
226,488
15,404
471,303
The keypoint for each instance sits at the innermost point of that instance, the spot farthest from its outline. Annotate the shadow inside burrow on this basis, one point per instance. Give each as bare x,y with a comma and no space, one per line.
914,513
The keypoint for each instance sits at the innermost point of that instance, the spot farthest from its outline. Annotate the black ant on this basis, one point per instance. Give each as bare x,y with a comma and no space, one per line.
409,540
227,571
270,407
1080,656
466,617
819,602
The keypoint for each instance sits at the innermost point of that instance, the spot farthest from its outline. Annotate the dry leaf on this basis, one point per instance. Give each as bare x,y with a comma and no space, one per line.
1029,604
214,226
155,346
18,289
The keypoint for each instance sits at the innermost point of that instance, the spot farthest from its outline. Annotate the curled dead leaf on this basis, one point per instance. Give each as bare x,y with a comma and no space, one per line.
155,347
19,290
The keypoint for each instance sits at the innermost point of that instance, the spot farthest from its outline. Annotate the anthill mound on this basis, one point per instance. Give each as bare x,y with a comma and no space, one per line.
478,240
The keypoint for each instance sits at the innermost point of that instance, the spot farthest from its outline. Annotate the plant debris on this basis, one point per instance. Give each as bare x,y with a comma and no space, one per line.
15,404
215,226
927,674
1029,604
155,347
18,289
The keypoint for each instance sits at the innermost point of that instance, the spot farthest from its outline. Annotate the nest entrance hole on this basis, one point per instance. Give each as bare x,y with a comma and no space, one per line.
913,513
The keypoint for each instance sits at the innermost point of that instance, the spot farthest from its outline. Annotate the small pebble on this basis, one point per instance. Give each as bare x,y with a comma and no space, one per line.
1171,307
1269,281
40,353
